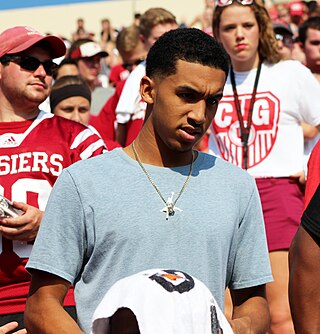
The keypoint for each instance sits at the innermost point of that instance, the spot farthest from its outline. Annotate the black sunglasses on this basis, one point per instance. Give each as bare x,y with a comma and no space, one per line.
30,63
135,63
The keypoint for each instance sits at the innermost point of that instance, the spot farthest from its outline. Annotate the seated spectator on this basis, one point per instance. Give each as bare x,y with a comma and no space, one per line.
284,38
88,55
159,301
130,110
81,32
66,67
71,98
132,52
298,13
108,33
136,19
284,14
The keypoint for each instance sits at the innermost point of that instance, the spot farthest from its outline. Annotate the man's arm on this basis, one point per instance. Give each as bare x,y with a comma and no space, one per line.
44,313
304,292
250,310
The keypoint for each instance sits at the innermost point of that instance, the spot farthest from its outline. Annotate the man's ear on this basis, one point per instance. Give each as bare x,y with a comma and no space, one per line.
147,89
301,46
142,38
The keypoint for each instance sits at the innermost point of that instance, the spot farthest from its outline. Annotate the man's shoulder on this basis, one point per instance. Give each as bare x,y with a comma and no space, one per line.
67,124
78,137
221,172
222,165
107,162
66,128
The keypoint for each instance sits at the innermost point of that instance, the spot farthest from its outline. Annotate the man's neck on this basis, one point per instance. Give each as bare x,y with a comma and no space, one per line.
150,151
16,116
17,110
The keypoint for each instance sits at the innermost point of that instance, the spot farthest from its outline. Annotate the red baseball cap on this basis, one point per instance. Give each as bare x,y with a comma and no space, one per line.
20,38
296,8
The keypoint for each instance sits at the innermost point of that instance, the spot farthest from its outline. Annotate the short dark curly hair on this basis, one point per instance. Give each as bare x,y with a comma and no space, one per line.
188,44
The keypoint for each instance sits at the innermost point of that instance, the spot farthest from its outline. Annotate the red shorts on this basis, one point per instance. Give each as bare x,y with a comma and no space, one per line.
282,205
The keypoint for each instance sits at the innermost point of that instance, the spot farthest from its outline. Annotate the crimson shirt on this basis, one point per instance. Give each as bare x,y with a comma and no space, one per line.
32,155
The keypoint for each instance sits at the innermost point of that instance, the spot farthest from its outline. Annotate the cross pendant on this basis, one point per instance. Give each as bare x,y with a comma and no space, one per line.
169,209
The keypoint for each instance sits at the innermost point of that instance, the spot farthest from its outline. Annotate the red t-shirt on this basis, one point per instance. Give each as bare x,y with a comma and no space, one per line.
32,155
104,122
118,73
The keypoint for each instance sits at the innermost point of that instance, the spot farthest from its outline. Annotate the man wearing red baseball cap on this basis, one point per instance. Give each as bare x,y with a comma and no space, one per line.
34,148
88,55
18,39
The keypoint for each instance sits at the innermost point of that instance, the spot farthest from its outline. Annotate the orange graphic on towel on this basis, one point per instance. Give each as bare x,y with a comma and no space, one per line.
172,277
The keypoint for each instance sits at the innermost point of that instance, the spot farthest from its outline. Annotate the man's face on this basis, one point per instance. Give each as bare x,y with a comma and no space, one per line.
133,58
285,44
184,104
89,69
156,32
284,15
312,50
24,87
67,69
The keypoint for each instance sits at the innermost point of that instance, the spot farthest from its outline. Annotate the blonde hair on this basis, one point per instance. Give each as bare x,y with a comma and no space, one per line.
152,17
268,47
128,39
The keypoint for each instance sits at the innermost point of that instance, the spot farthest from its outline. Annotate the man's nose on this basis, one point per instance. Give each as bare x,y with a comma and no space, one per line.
40,71
198,113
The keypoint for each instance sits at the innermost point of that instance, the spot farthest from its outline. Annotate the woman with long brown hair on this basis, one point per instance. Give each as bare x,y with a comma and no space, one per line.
258,127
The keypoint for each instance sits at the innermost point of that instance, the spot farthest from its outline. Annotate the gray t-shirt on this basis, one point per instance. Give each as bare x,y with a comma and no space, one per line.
104,221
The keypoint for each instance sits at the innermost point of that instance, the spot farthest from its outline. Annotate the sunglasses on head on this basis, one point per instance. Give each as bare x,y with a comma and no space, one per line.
29,63
224,3
286,40
128,66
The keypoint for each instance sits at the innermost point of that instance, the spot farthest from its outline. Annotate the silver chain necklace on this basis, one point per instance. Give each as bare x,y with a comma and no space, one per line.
170,205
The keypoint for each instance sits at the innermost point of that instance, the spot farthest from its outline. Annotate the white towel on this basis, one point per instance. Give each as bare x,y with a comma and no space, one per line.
163,301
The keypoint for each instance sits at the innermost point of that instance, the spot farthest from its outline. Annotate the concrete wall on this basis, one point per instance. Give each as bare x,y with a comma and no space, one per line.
61,20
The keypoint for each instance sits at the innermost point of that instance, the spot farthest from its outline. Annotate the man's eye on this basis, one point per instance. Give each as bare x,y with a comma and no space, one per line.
212,101
187,97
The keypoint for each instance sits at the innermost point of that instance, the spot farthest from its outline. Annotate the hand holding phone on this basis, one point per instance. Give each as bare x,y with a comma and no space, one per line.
7,210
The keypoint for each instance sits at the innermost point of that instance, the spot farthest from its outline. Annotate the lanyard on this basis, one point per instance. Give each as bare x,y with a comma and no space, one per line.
245,130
